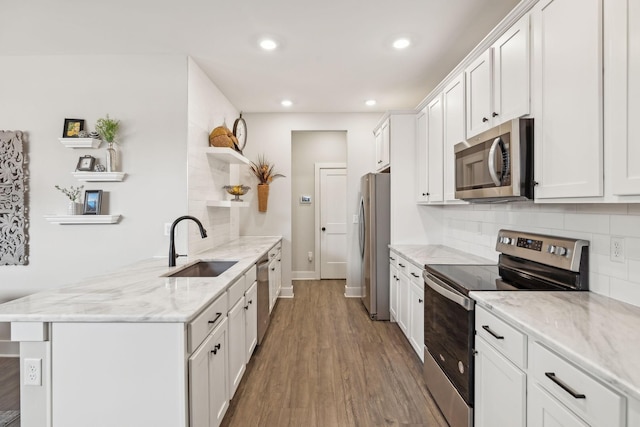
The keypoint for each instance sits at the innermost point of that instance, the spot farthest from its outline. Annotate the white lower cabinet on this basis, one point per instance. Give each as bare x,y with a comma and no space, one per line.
545,411
208,386
275,275
403,297
406,301
251,320
416,318
393,291
501,389
237,344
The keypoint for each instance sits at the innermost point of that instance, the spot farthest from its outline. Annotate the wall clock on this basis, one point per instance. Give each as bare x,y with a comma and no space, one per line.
240,132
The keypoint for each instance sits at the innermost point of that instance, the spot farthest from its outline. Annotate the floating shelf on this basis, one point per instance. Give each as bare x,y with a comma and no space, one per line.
82,219
99,176
227,155
226,204
80,142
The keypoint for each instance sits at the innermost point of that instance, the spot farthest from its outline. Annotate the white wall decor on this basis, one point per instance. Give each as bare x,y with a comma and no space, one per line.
13,220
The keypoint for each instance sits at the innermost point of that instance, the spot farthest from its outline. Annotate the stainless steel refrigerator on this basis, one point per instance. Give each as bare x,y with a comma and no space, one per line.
374,218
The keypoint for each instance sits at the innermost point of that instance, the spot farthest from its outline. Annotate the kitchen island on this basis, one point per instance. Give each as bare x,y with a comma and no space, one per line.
118,349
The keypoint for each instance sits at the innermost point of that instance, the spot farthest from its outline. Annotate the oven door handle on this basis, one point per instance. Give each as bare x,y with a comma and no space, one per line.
448,293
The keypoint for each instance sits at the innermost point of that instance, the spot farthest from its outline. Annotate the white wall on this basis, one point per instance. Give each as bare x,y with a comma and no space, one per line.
148,94
309,148
473,228
208,108
270,134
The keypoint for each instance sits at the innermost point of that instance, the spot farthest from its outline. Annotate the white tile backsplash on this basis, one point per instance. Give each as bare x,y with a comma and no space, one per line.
473,228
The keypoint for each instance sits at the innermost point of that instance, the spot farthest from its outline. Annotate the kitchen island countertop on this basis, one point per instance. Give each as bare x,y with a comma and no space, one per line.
420,255
138,293
597,333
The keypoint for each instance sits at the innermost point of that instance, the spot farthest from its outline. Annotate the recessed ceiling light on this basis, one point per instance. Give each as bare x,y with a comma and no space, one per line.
401,43
286,103
370,102
268,44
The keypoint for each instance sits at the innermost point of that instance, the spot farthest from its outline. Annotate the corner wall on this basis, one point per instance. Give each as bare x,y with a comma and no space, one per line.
148,94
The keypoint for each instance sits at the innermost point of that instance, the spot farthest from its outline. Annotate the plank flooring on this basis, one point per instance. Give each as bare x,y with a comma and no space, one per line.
9,383
324,363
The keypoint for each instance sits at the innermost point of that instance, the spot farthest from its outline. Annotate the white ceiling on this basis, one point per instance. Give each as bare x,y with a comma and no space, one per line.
334,54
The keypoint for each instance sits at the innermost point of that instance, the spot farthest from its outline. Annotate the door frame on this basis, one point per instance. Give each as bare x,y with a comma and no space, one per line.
317,168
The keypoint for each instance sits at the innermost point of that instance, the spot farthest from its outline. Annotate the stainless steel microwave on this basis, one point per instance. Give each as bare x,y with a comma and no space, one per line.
497,165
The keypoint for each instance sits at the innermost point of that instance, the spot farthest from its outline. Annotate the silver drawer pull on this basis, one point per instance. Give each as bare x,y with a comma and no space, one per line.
488,329
562,385
211,322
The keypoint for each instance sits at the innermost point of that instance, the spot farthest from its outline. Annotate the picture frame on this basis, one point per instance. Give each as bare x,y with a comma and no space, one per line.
72,128
86,163
92,202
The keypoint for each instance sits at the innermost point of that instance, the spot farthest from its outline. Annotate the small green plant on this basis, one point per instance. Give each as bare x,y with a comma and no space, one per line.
107,128
72,193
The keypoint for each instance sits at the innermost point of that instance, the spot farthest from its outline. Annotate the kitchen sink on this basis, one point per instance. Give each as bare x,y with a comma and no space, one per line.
202,269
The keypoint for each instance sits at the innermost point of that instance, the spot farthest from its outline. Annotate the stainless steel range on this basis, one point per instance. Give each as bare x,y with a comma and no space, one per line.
527,262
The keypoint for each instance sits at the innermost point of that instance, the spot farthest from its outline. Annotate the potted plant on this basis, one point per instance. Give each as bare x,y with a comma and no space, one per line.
108,129
265,173
73,193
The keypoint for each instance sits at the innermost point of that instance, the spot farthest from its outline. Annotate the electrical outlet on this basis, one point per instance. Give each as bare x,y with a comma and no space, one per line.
617,249
32,371
167,228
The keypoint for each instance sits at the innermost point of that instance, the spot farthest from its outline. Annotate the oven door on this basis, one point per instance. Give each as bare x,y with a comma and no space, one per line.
448,333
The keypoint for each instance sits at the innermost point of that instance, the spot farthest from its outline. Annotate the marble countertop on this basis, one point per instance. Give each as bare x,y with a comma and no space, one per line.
138,293
420,255
597,333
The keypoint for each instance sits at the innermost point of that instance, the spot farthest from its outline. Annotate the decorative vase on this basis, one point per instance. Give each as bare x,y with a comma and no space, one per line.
111,158
263,197
74,208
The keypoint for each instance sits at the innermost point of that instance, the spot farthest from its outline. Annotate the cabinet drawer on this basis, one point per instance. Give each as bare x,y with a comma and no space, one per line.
505,338
415,274
393,259
403,266
249,278
236,291
274,251
200,327
583,394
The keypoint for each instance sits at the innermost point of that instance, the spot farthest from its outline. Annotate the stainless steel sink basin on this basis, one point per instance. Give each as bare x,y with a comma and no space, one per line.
202,269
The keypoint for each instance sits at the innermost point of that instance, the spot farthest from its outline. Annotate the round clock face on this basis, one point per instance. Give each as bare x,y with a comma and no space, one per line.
240,132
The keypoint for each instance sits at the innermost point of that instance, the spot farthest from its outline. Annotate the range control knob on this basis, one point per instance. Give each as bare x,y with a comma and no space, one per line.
551,249
506,240
561,251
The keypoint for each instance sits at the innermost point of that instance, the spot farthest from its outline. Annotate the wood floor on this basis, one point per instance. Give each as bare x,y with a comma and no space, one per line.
9,383
324,363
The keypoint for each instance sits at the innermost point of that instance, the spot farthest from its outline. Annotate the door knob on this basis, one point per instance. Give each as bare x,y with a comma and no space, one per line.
324,229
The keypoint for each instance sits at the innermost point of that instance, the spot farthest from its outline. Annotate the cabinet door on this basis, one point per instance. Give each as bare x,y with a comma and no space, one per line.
478,79
382,146
511,54
272,284
251,320
199,384
378,137
622,97
237,342
218,375
545,411
422,184
403,303
500,389
454,132
278,273
393,292
434,149
567,101
416,321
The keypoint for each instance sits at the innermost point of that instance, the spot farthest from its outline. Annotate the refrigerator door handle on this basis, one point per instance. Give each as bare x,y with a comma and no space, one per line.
362,227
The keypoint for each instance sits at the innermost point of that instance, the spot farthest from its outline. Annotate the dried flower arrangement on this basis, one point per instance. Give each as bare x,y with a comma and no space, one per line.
263,170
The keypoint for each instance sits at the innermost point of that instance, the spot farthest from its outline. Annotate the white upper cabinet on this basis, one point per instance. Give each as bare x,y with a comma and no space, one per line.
422,184
454,132
622,96
498,81
434,149
383,160
567,98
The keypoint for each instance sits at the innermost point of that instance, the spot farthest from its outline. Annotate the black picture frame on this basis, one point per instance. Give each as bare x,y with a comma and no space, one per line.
86,163
72,128
92,202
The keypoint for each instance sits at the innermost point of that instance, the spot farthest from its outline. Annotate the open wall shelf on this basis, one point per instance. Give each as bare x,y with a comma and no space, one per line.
226,204
99,176
80,142
227,155
82,219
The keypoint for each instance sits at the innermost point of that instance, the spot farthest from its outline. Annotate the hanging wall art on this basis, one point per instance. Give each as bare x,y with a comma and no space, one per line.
13,220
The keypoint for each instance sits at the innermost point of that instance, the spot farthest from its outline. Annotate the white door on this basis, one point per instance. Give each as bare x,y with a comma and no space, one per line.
333,223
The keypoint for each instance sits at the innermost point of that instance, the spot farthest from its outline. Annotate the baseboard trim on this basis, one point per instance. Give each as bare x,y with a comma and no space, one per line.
352,292
303,275
286,292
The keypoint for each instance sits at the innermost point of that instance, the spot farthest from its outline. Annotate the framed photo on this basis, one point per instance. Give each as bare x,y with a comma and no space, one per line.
92,202
72,128
86,163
